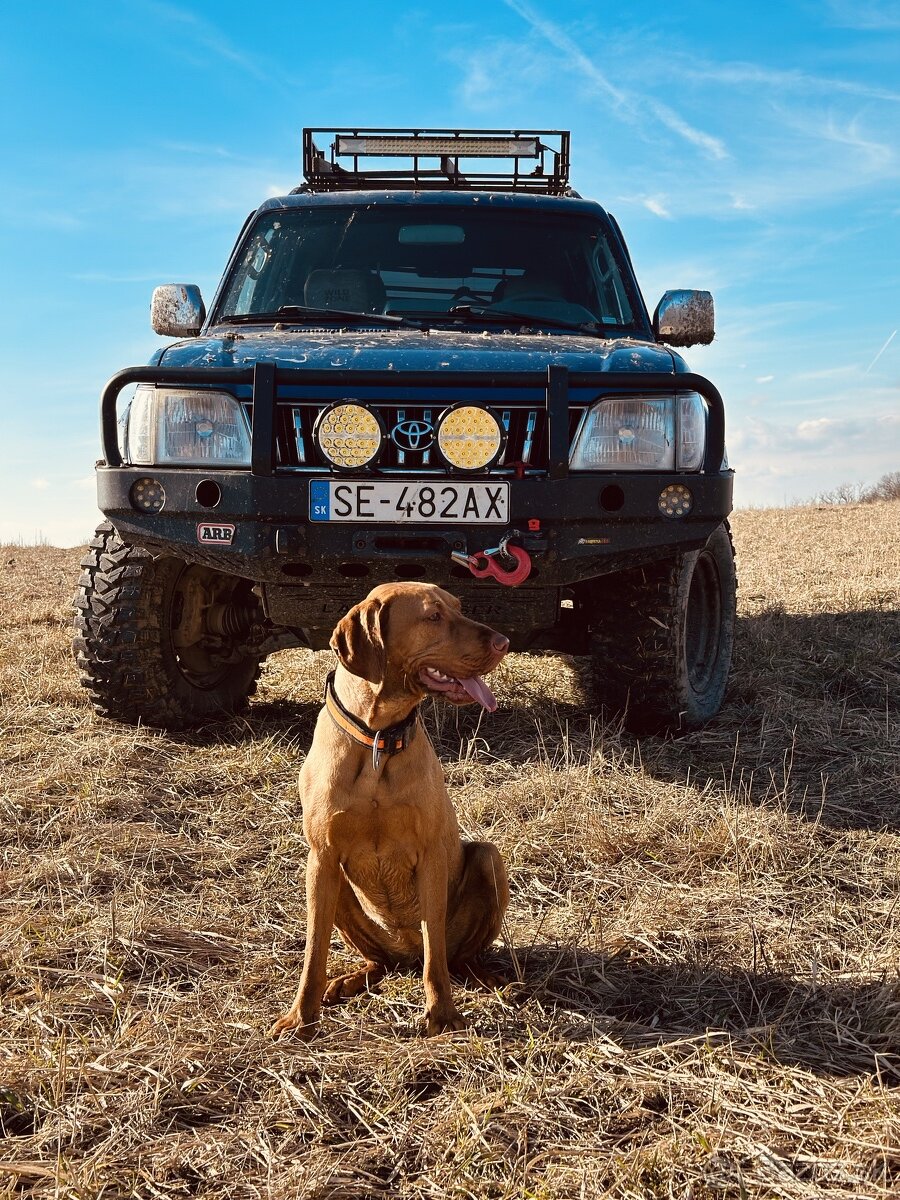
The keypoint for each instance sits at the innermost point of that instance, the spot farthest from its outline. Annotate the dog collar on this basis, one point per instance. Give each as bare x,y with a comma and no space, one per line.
387,741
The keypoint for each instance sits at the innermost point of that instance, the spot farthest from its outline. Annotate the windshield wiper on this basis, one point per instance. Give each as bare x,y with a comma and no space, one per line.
513,318
301,311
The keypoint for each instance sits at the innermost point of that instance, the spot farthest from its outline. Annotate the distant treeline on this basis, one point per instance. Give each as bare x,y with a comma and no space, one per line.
887,488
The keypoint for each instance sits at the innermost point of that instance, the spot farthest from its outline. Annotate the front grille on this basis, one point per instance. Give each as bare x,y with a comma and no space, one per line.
527,445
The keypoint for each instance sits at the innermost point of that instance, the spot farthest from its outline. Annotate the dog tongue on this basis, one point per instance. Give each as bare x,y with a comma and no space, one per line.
479,690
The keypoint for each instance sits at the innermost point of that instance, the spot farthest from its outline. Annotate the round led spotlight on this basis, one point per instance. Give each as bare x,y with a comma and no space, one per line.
469,437
348,435
675,500
147,495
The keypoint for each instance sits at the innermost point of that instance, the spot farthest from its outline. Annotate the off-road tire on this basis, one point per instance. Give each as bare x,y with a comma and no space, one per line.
662,638
124,648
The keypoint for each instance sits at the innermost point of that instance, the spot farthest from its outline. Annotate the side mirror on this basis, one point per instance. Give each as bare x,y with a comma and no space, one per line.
177,310
685,318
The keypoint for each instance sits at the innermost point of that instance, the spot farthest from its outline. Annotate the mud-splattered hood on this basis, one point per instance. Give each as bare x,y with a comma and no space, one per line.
415,350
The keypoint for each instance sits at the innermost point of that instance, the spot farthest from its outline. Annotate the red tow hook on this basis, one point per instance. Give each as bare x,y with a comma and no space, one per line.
488,563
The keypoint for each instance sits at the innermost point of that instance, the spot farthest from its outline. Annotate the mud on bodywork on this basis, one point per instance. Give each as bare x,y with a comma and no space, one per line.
685,318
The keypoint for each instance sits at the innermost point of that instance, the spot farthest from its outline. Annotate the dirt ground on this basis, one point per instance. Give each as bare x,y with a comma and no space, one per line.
702,944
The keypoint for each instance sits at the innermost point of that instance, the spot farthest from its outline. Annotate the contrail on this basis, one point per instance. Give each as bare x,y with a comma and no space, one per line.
880,352
627,103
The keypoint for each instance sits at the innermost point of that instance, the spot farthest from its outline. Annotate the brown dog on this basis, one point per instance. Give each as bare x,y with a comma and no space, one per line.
386,864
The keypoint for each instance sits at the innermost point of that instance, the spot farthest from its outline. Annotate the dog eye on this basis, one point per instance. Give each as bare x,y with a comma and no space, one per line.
435,616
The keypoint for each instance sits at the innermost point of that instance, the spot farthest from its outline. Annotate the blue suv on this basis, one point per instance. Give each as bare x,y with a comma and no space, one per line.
429,361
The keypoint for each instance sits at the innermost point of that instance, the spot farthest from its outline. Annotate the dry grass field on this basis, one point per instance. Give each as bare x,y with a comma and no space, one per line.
703,940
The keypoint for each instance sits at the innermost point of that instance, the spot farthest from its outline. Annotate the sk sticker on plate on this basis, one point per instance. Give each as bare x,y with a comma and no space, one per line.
215,535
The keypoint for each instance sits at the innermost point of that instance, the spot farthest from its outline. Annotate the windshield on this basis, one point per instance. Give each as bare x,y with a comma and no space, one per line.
442,264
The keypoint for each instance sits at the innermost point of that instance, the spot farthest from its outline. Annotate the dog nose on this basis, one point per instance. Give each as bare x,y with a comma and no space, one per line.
500,643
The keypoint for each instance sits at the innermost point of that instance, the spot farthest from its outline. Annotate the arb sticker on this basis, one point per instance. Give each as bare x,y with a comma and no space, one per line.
215,535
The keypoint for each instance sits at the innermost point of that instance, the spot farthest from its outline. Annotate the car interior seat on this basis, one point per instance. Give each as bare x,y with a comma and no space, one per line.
342,288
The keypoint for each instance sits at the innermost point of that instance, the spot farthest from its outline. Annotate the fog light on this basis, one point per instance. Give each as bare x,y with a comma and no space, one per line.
675,501
470,438
147,495
349,435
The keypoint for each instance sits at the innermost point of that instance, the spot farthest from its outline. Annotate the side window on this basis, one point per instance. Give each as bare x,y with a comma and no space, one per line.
615,308
278,259
256,258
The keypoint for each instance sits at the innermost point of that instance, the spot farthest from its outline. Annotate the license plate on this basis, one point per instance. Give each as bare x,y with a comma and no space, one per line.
415,501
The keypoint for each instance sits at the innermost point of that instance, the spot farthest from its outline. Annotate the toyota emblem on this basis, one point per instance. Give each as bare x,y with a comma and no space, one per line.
413,435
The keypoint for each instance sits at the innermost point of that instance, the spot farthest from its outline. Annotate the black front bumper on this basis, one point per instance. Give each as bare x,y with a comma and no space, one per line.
574,526
563,523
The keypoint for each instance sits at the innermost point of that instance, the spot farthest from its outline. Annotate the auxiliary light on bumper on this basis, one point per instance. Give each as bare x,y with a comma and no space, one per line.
675,500
469,437
148,495
349,435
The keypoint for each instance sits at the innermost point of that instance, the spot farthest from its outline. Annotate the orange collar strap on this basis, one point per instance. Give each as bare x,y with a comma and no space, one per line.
382,742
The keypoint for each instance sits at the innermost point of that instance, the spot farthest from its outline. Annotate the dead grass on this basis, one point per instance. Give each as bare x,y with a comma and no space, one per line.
703,935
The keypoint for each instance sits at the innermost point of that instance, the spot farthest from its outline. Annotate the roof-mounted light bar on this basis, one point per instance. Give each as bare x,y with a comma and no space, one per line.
453,147
536,160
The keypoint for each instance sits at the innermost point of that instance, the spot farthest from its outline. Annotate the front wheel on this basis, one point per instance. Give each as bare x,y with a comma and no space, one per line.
663,637
158,639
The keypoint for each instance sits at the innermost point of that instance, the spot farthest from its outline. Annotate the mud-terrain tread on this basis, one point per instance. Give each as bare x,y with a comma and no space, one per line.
637,645
118,642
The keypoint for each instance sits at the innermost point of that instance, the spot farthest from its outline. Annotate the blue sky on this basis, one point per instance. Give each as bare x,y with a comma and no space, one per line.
750,149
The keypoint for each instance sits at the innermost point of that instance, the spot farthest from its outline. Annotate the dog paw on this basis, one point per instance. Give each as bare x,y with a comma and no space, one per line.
294,1022
346,986
437,1021
479,975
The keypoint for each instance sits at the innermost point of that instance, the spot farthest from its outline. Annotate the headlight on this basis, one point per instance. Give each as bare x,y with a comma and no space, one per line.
186,429
635,433
470,438
690,448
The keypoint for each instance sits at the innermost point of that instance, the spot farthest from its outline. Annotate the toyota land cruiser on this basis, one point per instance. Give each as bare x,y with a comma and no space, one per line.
430,361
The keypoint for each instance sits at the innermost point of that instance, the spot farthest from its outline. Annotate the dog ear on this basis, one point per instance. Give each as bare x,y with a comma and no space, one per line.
358,640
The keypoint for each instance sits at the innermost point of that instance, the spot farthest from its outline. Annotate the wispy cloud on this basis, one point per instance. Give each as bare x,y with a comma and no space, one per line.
712,147
783,139
813,158
656,205
820,435
204,40
877,154
845,370
201,149
628,104
31,208
872,15
752,75
557,37
208,37
811,456
487,81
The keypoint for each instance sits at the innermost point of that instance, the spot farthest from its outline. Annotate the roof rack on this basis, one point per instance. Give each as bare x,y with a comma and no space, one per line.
537,160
